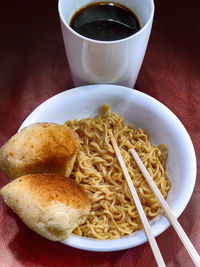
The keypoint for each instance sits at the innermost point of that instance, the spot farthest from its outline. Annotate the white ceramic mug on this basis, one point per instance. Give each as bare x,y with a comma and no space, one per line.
115,62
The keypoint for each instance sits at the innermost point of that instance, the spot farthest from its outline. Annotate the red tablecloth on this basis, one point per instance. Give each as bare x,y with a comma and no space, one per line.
33,67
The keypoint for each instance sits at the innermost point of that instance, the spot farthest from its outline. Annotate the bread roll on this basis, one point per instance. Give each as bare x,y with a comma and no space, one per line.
49,204
40,148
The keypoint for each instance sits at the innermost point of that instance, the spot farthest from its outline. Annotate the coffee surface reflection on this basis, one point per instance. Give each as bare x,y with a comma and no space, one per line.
105,21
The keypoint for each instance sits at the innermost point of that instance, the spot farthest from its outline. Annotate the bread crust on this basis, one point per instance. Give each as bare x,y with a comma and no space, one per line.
40,148
49,204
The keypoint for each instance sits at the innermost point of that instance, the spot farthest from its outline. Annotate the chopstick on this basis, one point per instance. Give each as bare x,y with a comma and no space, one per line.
182,235
150,237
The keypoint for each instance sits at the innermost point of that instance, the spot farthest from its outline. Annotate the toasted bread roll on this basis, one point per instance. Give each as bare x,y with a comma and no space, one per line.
49,204
40,148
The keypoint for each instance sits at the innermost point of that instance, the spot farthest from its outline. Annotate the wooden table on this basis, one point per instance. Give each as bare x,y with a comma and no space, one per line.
33,67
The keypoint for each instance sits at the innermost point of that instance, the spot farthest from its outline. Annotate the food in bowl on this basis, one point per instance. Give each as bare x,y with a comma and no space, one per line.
39,158
51,205
113,213
40,148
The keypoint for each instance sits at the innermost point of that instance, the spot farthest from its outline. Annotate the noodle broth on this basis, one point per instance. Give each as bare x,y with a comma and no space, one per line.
113,212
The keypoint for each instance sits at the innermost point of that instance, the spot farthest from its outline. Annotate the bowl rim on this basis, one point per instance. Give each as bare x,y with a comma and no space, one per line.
90,244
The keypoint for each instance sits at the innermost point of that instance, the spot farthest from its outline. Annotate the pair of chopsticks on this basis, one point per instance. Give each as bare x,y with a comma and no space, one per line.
178,228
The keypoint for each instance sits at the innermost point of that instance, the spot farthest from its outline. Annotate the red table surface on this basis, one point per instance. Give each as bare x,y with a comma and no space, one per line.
33,67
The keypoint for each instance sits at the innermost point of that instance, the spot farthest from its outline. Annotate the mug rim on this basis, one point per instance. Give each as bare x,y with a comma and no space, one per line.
149,21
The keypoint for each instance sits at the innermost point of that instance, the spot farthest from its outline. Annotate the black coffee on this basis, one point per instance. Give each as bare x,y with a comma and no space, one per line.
105,21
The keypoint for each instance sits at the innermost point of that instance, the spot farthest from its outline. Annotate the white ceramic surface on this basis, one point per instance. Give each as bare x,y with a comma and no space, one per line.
142,111
116,62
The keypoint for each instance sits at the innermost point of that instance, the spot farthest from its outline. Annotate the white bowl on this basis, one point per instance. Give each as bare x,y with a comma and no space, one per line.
142,111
